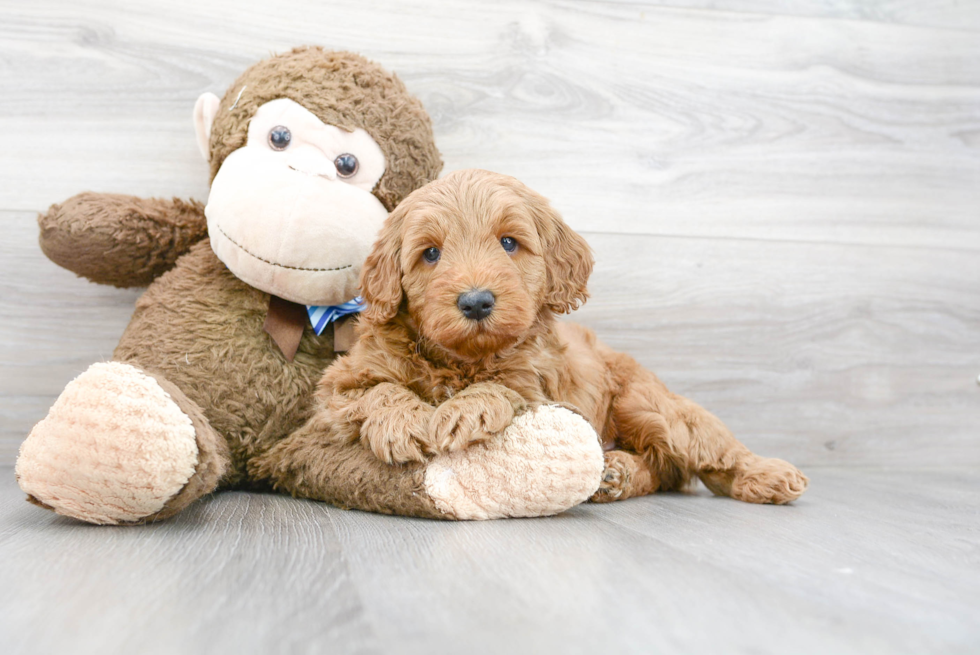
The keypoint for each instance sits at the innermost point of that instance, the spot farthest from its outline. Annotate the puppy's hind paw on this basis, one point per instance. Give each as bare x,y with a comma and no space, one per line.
615,479
769,480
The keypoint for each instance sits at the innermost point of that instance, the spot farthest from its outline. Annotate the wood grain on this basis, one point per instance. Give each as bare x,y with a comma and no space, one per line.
949,14
634,117
841,571
784,198
200,584
820,353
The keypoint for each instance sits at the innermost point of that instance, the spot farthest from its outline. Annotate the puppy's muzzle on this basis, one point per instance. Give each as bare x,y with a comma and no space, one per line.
477,304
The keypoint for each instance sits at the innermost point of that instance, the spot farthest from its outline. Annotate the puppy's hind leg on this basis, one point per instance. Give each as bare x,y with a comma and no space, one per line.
651,459
678,438
728,468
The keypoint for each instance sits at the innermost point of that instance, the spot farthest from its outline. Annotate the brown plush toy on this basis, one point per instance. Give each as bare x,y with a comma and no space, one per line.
309,151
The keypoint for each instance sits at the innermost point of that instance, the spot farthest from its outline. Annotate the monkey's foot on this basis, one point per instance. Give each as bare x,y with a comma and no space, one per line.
114,448
545,462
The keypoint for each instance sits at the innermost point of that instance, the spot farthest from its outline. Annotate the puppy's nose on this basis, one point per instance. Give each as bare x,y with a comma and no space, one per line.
476,305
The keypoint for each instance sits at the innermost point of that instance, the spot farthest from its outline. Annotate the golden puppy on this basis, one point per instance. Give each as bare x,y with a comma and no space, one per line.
463,285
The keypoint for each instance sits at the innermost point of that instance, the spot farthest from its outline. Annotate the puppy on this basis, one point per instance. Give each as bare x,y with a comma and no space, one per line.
463,286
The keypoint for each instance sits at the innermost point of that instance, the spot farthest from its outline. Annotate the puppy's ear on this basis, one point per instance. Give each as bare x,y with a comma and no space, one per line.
381,277
568,257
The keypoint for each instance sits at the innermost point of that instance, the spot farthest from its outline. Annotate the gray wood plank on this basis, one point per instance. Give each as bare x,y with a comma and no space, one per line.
867,561
818,353
949,14
634,117
233,576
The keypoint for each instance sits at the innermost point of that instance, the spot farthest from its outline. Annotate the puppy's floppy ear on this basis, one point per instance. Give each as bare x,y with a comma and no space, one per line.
567,255
381,277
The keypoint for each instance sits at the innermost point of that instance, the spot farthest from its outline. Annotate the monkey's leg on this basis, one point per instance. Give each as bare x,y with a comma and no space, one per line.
121,446
120,240
545,462
313,462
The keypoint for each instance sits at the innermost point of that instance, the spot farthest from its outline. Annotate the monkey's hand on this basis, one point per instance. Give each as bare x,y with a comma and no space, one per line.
120,240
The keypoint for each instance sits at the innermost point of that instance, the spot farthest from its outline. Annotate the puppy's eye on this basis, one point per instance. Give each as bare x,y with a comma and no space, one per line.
431,255
279,137
509,244
346,165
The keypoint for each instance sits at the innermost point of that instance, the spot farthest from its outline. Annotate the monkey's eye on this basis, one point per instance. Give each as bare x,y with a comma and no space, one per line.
346,164
509,244
431,255
279,137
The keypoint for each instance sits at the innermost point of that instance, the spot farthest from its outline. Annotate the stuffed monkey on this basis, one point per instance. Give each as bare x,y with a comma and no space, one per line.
248,301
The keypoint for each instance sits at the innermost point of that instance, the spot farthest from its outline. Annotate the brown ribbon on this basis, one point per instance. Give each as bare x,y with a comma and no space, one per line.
285,323
343,334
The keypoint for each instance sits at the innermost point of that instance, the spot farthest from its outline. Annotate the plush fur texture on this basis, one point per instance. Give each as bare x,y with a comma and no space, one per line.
200,327
143,434
543,462
423,379
548,469
197,330
341,89
196,350
120,240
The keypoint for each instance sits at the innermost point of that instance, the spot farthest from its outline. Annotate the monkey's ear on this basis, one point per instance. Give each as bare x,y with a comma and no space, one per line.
567,255
205,109
381,277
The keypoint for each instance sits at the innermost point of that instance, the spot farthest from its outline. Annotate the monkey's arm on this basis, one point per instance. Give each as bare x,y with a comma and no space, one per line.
120,240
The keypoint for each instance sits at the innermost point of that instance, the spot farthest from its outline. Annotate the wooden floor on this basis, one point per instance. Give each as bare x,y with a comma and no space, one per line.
866,562
784,201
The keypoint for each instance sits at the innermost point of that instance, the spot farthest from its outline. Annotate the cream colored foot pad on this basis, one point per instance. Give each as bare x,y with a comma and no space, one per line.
113,448
546,462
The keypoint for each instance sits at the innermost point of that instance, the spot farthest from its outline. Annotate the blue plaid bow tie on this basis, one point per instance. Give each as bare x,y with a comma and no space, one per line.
321,317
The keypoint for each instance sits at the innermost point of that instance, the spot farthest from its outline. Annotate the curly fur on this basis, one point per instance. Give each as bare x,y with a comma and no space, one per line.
423,379
198,329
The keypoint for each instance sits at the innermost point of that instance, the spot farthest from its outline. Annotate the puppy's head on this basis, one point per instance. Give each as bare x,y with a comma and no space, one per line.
475,258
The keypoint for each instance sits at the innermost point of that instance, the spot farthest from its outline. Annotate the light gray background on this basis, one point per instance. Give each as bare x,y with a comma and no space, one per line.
784,201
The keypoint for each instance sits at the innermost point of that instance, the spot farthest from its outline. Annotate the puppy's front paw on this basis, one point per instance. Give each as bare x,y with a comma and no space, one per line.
398,437
769,480
465,420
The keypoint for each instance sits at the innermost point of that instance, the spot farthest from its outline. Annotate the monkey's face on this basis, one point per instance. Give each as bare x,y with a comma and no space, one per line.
292,212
